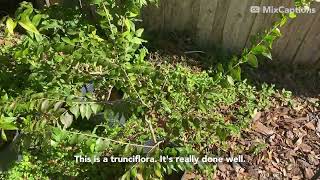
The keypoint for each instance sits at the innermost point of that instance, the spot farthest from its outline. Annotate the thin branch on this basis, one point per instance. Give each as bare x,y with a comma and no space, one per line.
134,88
109,93
250,52
152,131
109,21
191,52
148,153
80,3
115,141
47,3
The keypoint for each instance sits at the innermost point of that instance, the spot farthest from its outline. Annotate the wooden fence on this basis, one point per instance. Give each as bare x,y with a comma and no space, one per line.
230,25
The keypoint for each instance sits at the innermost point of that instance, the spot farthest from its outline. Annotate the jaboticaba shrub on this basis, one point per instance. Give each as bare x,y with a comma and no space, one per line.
79,88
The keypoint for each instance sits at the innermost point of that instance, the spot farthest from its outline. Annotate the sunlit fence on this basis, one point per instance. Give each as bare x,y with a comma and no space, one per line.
231,24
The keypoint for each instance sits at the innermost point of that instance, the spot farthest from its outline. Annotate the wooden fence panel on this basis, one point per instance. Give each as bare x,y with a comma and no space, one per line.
231,25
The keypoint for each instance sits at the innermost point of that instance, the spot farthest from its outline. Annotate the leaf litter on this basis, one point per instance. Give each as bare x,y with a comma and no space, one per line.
291,144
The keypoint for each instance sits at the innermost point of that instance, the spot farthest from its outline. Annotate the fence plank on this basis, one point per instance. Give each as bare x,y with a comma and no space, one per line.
293,36
184,15
219,22
238,25
263,21
309,51
206,19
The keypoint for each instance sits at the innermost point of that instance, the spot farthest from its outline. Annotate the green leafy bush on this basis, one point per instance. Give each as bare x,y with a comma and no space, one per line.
80,87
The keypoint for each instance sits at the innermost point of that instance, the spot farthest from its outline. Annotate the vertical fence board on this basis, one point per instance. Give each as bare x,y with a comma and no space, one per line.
206,19
237,26
175,8
168,13
309,51
195,16
262,21
184,14
293,35
219,21
281,43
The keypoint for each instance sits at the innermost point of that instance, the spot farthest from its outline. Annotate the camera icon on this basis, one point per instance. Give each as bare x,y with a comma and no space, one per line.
255,9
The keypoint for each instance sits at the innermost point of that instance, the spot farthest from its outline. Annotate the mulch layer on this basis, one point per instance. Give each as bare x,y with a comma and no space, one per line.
283,143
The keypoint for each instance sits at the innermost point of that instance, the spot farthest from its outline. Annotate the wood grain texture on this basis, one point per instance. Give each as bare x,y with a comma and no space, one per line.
230,25
238,25
219,22
206,19
309,50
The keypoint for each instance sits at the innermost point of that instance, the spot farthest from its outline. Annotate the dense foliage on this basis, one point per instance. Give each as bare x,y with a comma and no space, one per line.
77,85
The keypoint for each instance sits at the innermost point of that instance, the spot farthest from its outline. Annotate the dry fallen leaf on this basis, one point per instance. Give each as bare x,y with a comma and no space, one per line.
290,135
188,176
222,167
305,148
310,126
256,117
308,173
298,142
259,127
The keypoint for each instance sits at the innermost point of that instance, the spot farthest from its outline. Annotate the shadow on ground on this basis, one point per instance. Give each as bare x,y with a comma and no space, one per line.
301,81
173,47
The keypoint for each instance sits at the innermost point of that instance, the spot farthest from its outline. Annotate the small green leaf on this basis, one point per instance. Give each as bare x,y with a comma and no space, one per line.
11,25
75,111
137,40
57,105
220,68
236,73
158,173
259,49
95,108
92,147
3,135
252,60
101,145
134,172
45,106
139,32
73,139
36,19
292,15
283,21
268,55
88,112
8,126
269,39
230,80
27,25
277,32
67,40
83,111
5,97
66,119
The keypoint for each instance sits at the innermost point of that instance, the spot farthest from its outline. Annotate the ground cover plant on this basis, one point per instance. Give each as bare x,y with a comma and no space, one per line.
78,84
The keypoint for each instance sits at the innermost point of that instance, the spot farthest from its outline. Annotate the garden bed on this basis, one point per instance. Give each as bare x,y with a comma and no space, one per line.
88,91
